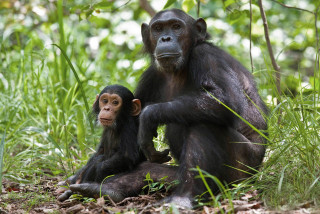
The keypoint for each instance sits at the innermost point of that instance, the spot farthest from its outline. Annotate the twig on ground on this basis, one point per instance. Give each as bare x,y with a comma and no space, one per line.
126,200
112,202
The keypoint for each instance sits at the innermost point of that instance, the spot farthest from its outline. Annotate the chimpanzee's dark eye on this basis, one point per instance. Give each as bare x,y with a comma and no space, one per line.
157,28
176,26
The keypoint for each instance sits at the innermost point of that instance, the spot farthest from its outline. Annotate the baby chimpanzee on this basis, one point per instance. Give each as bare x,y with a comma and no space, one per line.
117,111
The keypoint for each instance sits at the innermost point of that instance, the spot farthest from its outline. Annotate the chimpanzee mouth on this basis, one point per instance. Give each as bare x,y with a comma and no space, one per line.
105,121
168,55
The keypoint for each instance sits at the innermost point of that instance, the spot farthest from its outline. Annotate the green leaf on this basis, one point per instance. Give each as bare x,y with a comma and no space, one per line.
228,3
89,12
103,5
237,16
148,177
169,3
187,5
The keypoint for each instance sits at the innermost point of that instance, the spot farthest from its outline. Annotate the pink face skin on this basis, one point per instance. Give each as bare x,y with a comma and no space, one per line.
109,105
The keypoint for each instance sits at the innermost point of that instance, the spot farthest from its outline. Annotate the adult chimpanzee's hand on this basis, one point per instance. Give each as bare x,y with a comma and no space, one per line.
156,156
148,126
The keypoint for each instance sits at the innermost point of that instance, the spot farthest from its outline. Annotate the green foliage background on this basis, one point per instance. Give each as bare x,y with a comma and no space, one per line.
45,125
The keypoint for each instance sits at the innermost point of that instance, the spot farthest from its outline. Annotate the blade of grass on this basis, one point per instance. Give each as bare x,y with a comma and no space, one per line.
78,80
63,70
109,176
281,178
207,187
224,192
235,113
1,157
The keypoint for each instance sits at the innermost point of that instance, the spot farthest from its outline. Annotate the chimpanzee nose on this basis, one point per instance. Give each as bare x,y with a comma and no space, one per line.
166,38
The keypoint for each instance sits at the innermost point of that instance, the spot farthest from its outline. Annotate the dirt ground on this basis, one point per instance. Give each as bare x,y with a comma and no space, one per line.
41,198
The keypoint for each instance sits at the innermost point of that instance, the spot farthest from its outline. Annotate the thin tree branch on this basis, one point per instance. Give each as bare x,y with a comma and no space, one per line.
147,7
198,8
315,13
266,34
250,32
116,9
296,8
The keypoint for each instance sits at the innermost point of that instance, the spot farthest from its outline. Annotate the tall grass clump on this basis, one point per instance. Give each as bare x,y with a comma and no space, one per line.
47,90
38,131
291,172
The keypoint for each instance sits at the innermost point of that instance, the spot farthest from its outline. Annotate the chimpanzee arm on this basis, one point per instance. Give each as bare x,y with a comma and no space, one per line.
113,165
148,91
191,108
100,167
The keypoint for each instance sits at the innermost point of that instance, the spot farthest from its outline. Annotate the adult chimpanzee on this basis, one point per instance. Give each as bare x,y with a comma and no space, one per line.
116,110
183,88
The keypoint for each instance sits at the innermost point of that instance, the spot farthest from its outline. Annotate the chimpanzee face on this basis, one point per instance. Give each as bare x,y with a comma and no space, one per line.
110,105
114,105
169,38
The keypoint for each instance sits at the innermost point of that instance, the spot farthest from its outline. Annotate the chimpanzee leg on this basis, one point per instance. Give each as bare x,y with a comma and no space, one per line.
201,147
128,183
243,155
213,149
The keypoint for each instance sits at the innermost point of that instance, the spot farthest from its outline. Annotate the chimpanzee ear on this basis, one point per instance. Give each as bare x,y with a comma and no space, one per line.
201,27
145,33
136,107
97,97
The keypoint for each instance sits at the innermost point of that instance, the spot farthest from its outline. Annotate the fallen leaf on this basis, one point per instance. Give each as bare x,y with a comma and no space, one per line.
100,201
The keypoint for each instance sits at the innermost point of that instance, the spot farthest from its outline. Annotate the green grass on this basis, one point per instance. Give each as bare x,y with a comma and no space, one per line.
290,175
47,92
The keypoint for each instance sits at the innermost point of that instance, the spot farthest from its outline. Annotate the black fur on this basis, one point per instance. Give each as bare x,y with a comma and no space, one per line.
118,150
200,130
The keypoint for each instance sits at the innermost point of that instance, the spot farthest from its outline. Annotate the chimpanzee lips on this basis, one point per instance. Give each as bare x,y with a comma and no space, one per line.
167,55
105,121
